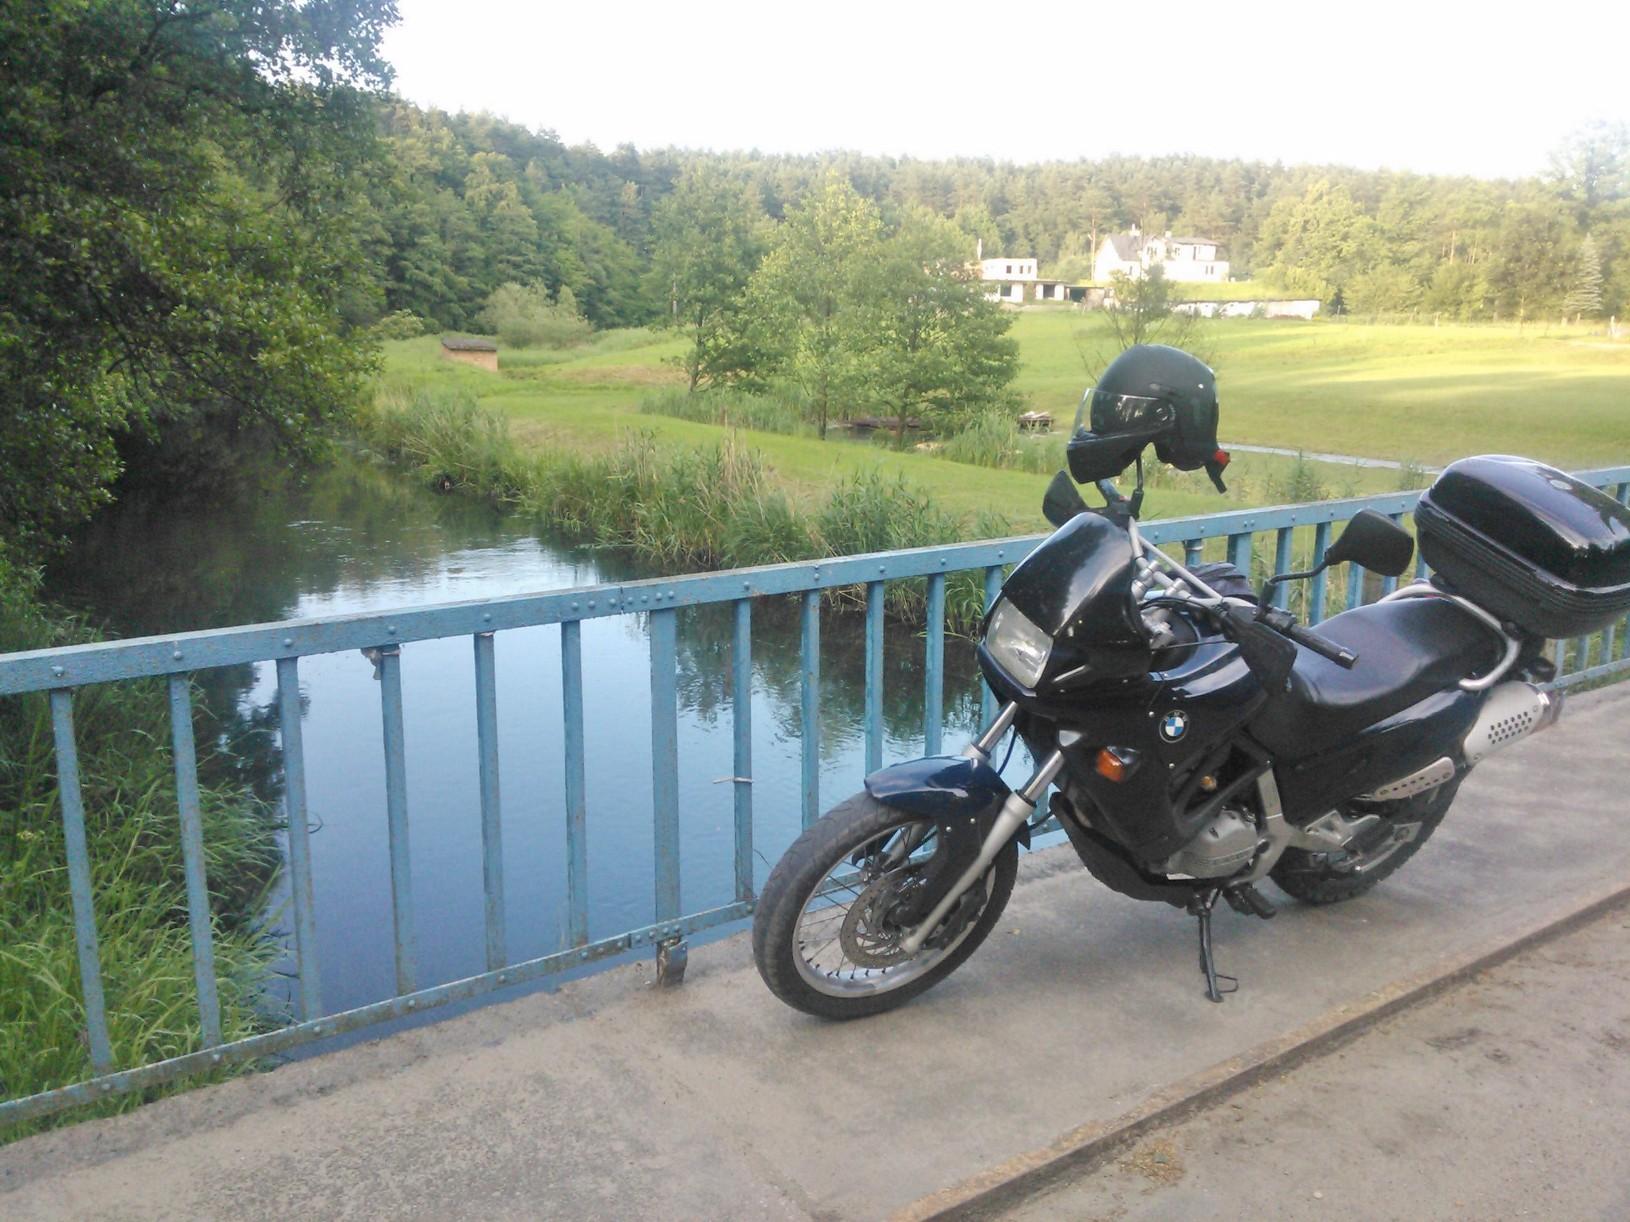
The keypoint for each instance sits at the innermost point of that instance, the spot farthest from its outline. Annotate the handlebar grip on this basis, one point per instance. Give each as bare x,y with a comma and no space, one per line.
1344,658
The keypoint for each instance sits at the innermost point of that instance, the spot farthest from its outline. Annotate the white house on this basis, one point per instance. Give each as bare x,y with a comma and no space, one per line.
1016,280
1180,258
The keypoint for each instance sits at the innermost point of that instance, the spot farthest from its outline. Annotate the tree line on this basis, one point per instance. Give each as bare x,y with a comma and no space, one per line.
209,215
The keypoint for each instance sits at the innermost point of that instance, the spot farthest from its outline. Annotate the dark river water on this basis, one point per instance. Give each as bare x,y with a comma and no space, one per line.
357,539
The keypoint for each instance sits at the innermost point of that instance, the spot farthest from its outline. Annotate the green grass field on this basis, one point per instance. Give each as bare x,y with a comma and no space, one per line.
1418,394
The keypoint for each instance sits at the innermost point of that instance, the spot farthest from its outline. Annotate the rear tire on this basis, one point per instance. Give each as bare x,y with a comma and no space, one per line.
792,891
1328,878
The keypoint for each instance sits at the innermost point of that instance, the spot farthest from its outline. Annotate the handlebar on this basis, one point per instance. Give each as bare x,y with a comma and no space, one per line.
1325,648
1285,624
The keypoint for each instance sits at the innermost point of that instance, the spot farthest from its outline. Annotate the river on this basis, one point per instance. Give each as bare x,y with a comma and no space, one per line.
353,538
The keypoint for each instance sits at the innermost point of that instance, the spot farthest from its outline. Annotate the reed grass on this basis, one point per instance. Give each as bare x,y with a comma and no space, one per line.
137,882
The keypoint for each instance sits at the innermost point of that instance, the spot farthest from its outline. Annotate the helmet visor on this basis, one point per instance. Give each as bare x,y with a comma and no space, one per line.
1107,413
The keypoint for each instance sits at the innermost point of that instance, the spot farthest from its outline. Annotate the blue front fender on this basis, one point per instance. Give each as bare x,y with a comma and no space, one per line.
941,788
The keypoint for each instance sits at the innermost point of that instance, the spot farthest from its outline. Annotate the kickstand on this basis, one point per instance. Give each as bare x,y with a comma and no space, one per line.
1200,906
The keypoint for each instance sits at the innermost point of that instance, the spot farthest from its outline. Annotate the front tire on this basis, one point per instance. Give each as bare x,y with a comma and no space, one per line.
1406,824
821,936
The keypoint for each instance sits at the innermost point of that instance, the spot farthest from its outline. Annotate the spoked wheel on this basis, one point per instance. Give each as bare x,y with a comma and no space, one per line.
1402,827
827,932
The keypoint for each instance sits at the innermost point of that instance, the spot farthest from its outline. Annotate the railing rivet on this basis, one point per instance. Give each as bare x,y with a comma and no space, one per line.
574,606
412,1003
582,954
176,655
611,603
485,619
216,1057
390,630
316,1028
57,672
503,977
288,642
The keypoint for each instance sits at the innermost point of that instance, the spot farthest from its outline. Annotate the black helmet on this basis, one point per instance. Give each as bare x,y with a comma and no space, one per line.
1149,393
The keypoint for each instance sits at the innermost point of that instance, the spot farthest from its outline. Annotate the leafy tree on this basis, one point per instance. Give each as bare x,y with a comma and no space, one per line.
807,300
177,236
524,316
940,349
1384,289
1457,290
1139,310
1528,274
1592,168
1316,243
709,236
1584,299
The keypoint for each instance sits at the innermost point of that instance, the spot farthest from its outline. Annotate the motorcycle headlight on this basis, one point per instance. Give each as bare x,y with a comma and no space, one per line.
1017,645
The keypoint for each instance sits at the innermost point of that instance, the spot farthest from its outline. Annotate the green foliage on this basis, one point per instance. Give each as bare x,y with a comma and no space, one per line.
1139,311
1315,244
1528,275
938,349
524,316
177,236
402,324
995,440
709,235
1383,289
680,508
774,411
806,304
1584,299
138,886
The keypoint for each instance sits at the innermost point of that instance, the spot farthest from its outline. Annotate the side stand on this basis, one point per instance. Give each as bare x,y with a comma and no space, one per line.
1200,906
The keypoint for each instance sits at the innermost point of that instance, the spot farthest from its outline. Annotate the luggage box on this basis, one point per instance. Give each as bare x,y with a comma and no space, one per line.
1528,543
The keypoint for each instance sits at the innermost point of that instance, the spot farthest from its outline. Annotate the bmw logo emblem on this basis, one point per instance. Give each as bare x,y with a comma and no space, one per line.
1174,725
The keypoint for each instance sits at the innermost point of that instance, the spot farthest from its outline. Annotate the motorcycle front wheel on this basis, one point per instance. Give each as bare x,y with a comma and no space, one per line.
823,937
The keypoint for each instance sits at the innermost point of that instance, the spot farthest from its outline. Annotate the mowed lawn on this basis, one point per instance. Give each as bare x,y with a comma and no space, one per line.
1409,393
1417,394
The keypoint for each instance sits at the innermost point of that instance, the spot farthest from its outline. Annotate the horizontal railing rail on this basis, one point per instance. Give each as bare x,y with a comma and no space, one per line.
178,657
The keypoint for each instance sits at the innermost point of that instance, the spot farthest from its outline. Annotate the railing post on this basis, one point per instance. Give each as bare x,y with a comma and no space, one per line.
811,681
577,853
934,666
741,713
294,811
987,698
1321,583
396,816
492,835
665,788
874,676
79,881
199,923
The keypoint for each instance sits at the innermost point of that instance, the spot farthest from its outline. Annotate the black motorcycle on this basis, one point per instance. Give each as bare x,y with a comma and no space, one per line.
1197,738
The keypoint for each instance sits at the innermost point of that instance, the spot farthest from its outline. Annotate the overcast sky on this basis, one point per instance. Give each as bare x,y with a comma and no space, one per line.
1480,88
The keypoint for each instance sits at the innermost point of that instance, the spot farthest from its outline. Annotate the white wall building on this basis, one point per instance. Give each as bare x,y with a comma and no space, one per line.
1180,258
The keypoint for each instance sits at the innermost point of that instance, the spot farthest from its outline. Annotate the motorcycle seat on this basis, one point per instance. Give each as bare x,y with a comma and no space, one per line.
1407,650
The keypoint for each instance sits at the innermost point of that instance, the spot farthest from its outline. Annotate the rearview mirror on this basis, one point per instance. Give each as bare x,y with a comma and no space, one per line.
1374,541
1062,501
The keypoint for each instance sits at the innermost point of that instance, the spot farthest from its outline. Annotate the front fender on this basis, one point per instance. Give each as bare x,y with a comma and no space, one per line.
944,788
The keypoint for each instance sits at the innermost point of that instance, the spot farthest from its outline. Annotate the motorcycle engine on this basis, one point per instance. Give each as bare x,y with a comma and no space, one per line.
1222,846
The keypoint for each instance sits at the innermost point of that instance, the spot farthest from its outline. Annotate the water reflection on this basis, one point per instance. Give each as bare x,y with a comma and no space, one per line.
356,539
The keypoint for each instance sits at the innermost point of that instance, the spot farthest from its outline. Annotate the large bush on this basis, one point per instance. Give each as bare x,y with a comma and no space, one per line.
525,316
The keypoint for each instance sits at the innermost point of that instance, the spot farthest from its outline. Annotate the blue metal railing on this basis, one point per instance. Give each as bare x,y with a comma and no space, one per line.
60,671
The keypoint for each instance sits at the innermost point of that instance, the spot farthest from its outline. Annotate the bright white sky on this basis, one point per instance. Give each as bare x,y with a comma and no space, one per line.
1470,88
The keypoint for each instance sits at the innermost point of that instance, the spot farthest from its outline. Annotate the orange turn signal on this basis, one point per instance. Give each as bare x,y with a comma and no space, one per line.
1110,766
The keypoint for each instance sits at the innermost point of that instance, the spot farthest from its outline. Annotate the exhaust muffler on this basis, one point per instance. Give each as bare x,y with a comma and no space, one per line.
1511,713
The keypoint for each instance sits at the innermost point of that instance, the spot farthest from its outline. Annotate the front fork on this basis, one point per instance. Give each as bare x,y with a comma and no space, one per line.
1016,811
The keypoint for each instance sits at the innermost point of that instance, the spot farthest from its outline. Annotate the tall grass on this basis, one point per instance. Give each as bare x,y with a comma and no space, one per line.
778,411
995,440
676,508
138,886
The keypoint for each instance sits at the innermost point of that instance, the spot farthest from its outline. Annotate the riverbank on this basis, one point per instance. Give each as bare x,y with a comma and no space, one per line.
137,882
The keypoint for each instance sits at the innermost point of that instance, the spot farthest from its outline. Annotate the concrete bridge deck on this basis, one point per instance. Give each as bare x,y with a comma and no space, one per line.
608,1099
